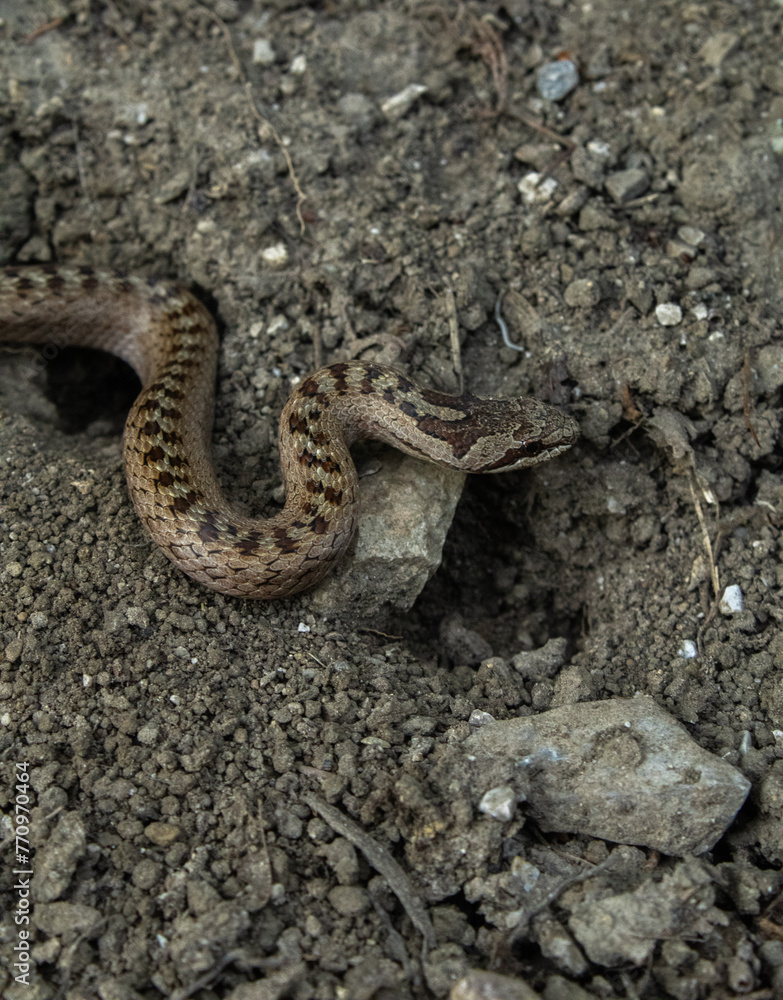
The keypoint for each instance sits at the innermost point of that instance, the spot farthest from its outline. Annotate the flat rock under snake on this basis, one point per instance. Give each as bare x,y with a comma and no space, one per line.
171,341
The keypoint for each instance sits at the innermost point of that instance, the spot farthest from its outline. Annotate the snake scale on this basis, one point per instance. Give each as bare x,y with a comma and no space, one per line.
171,340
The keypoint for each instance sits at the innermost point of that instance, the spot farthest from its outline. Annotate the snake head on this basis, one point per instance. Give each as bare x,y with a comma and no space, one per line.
530,432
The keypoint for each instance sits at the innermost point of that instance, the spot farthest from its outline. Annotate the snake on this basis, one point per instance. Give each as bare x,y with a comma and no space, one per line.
167,335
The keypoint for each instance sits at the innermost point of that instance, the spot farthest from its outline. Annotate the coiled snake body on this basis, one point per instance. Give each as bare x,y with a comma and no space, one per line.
170,339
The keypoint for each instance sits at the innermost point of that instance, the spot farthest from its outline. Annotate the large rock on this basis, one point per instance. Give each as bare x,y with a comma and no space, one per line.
405,511
622,770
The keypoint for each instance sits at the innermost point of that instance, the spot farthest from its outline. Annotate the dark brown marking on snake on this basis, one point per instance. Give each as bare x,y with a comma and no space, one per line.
246,546
154,454
528,449
89,280
168,478
309,388
55,283
284,542
207,532
436,398
183,505
297,423
173,394
339,373
151,428
327,465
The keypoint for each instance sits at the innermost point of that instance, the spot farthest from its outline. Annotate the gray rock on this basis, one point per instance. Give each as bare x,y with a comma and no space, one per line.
626,927
404,513
556,79
557,945
717,47
573,684
535,664
67,919
481,985
625,185
196,943
594,216
56,861
769,366
583,293
622,770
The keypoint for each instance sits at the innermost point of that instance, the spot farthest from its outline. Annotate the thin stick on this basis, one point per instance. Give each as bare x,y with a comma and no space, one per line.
301,197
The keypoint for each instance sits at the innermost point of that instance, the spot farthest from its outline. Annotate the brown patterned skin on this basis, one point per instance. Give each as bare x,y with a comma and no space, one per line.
170,339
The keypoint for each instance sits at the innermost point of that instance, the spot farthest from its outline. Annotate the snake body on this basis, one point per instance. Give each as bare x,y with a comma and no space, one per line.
170,339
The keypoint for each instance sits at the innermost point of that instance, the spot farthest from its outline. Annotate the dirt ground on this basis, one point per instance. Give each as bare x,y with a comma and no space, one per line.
179,743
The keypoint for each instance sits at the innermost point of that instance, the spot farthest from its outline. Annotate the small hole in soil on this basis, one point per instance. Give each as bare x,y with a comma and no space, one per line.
481,566
88,385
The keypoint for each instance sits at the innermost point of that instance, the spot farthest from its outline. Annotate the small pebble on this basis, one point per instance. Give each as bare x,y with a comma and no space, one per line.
349,900
731,603
533,188
275,256
625,185
689,234
770,367
717,47
599,148
148,734
687,650
556,79
680,250
162,834
668,314
137,616
582,293
397,105
499,803
263,53
479,718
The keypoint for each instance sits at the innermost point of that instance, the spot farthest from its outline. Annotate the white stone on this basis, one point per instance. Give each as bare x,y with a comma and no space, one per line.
533,189
731,603
275,256
398,104
263,53
668,314
499,803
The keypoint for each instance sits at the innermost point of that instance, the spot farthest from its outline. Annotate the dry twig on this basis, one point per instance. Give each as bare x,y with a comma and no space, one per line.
301,197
